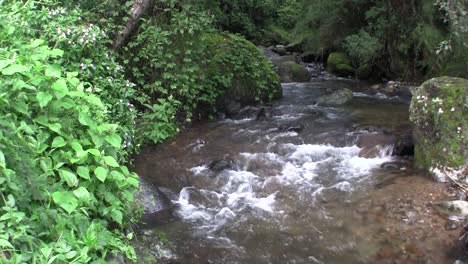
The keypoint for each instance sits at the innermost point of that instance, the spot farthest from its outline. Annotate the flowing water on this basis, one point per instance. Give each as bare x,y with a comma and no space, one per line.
282,188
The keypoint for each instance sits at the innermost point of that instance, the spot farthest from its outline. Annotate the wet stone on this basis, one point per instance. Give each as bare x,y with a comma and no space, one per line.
220,165
297,127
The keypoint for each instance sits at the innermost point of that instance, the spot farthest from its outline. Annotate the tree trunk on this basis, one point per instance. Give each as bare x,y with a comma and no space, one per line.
138,9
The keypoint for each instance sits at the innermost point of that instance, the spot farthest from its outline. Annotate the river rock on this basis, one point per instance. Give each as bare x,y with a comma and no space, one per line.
294,47
280,50
268,52
339,64
458,206
393,165
370,152
220,165
232,105
152,198
264,114
338,97
294,127
290,71
439,115
247,112
375,139
404,145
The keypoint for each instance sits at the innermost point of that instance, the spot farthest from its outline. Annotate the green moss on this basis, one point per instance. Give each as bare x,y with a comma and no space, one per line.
299,73
238,68
339,63
438,111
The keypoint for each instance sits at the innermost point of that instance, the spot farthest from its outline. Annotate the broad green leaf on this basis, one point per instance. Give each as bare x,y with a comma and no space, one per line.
4,63
55,53
85,119
82,194
58,142
5,244
111,161
117,176
37,42
114,140
132,181
22,107
76,146
83,172
101,173
55,127
2,160
117,216
43,98
94,152
67,103
66,200
68,177
53,71
60,88
14,69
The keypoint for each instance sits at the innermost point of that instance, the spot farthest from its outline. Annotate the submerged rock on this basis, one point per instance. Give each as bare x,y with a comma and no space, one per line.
338,97
439,114
295,127
220,165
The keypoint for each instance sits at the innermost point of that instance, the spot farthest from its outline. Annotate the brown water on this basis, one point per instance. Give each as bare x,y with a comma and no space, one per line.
290,188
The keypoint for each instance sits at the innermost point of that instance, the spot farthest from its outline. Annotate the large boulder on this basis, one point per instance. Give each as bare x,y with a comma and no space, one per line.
339,64
338,97
239,73
439,113
290,71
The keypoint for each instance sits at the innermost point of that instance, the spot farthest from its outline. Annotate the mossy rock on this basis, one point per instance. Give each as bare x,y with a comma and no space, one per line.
291,71
239,71
339,63
338,97
439,113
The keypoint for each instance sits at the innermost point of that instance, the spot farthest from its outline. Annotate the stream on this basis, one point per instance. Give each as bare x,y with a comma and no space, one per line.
290,183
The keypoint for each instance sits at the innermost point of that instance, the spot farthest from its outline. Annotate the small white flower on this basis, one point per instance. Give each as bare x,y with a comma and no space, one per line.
441,111
453,109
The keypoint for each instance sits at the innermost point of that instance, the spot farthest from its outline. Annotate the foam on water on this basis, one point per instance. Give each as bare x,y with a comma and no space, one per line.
245,194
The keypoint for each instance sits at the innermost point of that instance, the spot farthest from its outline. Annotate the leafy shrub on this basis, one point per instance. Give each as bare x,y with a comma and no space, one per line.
183,69
65,197
236,64
362,47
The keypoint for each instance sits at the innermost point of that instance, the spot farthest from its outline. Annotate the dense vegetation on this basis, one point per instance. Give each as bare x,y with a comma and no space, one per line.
73,106
389,38
83,84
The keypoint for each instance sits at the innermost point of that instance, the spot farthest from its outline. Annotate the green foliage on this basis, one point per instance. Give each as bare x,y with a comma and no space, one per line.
164,61
362,47
236,65
183,69
64,195
287,13
245,17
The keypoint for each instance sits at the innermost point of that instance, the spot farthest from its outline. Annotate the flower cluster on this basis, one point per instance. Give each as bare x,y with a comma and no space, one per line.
58,11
